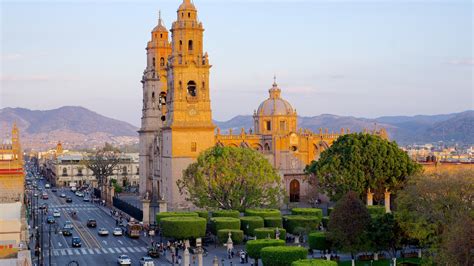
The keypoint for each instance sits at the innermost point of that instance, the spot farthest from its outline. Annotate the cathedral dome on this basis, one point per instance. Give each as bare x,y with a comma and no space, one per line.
187,5
275,105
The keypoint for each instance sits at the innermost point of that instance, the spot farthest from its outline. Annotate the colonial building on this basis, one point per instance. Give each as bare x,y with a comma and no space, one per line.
177,119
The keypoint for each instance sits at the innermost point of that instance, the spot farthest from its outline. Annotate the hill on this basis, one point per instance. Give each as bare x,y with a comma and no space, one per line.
75,126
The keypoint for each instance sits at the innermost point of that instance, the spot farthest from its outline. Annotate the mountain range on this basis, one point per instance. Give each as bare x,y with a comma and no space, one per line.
78,127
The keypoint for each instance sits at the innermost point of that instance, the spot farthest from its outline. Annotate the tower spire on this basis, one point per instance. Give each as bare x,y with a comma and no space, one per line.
274,80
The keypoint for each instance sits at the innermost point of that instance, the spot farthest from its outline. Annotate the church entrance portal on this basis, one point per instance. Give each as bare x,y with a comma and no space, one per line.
294,191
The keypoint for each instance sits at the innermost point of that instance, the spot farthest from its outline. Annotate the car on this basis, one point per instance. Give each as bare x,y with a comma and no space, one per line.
67,232
76,241
68,199
147,261
43,206
45,196
54,190
73,189
124,260
117,231
79,194
68,225
91,223
56,213
86,199
50,219
62,195
47,186
103,232
36,195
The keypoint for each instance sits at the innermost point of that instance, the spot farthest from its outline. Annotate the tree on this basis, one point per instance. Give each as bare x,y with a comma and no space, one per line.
103,163
385,234
437,210
231,178
348,224
360,161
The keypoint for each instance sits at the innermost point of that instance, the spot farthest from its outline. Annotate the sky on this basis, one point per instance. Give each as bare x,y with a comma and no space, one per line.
357,58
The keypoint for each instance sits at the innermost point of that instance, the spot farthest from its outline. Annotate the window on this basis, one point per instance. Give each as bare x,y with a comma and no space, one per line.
193,146
162,61
124,170
161,35
189,14
180,45
79,171
282,125
268,125
64,171
153,62
192,88
190,45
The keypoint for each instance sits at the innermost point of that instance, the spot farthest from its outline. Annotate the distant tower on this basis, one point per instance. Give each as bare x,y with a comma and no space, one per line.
188,128
154,82
16,147
59,148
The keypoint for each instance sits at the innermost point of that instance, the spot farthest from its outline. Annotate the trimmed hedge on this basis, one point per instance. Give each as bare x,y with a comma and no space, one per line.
325,221
237,236
319,241
307,211
203,214
282,256
183,227
226,213
262,233
376,210
218,223
273,222
330,209
314,262
291,222
253,247
253,222
162,215
263,212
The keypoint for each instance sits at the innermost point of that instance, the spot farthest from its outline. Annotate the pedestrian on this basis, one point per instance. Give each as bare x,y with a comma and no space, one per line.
144,233
179,260
246,257
116,222
172,257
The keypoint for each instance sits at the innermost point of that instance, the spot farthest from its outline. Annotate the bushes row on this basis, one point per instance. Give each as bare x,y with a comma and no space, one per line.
263,212
293,223
249,223
226,213
282,256
308,211
376,210
262,233
253,247
162,215
273,222
183,227
237,236
218,223
314,262
319,241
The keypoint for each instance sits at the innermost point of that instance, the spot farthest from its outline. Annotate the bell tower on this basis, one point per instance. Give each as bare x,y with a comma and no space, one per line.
188,127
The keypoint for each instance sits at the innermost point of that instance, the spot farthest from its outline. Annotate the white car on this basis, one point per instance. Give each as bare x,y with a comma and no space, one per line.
103,232
56,213
117,231
147,261
124,260
62,195
47,186
79,194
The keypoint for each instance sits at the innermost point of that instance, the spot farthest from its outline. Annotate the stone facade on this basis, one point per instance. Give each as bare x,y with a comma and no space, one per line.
177,124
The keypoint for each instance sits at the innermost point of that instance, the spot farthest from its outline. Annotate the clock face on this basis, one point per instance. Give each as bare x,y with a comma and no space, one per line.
192,111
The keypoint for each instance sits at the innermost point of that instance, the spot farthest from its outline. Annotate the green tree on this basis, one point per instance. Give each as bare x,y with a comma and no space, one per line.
437,210
385,234
348,224
360,161
231,178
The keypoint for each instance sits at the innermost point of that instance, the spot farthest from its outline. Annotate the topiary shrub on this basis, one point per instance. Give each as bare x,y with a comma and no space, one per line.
314,262
253,247
376,210
252,222
183,227
161,215
273,222
319,241
203,214
218,223
226,213
308,223
308,211
237,236
262,233
263,212
282,256
325,221
330,209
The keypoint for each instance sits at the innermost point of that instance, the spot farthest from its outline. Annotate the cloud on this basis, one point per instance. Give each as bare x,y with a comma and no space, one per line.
12,56
462,62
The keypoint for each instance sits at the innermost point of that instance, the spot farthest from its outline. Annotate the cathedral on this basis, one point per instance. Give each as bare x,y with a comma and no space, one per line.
177,125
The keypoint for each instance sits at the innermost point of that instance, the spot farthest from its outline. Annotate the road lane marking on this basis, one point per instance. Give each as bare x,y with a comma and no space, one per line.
130,249
137,249
59,244
105,242
111,250
124,250
97,251
104,251
56,253
91,251
69,252
121,243
143,249
118,250
77,252
83,250
63,252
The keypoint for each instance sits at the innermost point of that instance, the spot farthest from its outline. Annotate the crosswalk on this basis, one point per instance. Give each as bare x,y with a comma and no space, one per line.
96,251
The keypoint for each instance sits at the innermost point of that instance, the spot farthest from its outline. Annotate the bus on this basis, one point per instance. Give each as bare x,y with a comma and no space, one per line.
133,229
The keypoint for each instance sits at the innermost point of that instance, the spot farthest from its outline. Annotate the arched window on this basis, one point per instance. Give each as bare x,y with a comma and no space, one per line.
180,45
190,45
192,88
268,125
64,171
124,170
79,171
189,14
161,35
162,61
153,62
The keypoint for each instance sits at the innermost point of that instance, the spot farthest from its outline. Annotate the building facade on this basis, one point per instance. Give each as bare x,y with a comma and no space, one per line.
177,119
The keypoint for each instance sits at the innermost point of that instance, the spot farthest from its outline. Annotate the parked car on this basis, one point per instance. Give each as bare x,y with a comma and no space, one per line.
117,231
76,241
47,186
54,190
147,261
56,213
50,219
103,231
79,194
62,195
91,223
124,260
86,199
69,200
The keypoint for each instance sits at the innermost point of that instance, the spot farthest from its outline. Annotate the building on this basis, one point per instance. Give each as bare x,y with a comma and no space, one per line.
177,122
67,169
13,226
